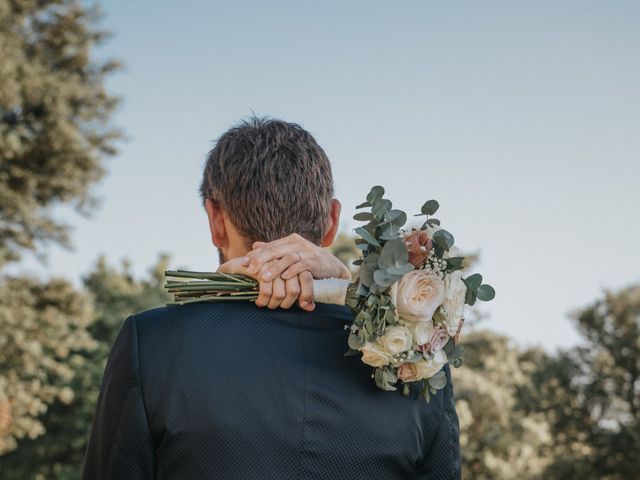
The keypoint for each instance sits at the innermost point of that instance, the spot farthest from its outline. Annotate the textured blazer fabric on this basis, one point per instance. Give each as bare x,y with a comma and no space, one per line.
233,391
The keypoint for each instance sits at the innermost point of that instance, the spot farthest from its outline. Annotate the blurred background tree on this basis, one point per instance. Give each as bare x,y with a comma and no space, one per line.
54,136
54,119
591,394
499,439
113,295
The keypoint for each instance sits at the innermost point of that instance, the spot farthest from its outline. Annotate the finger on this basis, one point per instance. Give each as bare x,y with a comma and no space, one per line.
293,292
244,261
305,301
273,269
278,294
233,266
295,269
264,296
293,238
258,258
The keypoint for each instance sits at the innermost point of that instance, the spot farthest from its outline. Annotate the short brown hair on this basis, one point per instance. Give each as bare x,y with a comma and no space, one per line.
272,178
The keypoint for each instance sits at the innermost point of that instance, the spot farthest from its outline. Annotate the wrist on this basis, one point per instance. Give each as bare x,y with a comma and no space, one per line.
345,274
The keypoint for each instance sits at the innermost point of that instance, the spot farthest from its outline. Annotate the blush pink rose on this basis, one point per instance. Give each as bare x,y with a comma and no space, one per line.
418,244
407,372
439,338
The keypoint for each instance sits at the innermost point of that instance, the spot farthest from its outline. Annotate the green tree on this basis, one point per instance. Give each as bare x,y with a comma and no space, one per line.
499,439
44,343
591,394
55,446
54,119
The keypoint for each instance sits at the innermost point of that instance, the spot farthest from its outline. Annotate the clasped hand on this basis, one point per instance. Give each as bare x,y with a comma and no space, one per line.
285,270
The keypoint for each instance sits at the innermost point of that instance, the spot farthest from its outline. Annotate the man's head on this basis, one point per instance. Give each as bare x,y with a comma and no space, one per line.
266,179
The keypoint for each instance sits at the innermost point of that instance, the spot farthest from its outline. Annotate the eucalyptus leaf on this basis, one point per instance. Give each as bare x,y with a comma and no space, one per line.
364,233
473,282
390,233
363,290
443,239
363,205
368,324
457,352
430,207
376,193
486,292
351,352
455,261
369,266
385,279
394,253
381,207
355,342
363,216
400,270
397,217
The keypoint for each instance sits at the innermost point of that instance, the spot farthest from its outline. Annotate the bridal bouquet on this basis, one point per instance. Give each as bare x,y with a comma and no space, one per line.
408,298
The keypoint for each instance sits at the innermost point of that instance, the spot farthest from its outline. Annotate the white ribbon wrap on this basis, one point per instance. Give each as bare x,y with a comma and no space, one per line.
330,290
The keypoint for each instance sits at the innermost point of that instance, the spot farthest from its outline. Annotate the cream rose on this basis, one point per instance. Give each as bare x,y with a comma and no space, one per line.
396,340
428,368
421,331
419,293
373,354
453,304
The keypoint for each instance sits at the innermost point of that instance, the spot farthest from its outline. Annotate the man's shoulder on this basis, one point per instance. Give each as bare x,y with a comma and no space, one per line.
174,321
179,316
176,315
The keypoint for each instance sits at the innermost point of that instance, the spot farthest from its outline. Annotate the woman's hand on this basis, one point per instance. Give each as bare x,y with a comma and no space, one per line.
277,293
288,257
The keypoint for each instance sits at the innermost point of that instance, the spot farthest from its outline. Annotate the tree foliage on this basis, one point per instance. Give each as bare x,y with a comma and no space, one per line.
499,439
53,446
44,343
591,394
54,119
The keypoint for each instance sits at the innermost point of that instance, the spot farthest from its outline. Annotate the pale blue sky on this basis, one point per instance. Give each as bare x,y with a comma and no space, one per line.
522,119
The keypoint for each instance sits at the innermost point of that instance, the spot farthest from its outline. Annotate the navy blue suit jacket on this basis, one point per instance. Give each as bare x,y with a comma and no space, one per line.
232,391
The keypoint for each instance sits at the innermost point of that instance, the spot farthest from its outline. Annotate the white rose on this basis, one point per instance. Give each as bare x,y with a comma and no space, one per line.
428,368
420,293
373,354
396,340
453,304
421,331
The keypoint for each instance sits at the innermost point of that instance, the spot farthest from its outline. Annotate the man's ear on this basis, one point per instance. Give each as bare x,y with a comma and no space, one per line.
215,215
334,223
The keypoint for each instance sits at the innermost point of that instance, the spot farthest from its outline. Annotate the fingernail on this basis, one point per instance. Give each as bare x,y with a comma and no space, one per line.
251,269
266,276
245,261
